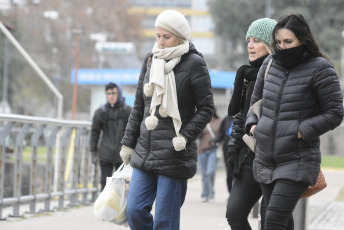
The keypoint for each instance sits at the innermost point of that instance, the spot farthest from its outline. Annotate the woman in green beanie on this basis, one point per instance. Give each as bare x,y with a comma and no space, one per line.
245,191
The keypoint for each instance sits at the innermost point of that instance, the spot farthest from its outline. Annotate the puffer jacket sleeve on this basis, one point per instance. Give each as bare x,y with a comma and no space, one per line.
235,141
132,131
96,129
327,87
203,96
251,118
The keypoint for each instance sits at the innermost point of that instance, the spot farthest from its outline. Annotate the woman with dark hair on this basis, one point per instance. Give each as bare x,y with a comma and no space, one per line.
245,191
301,101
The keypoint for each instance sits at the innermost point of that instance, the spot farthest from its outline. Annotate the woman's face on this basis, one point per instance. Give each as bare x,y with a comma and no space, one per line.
255,48
286,39
165,38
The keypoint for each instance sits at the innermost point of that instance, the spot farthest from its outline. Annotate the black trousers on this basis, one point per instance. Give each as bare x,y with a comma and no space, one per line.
229,176
244,194
106,170
280,199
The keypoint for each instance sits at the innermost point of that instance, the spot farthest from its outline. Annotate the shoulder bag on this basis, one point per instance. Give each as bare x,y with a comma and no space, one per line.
320,185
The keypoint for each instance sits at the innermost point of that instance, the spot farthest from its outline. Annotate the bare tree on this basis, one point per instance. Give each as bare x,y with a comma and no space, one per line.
44,28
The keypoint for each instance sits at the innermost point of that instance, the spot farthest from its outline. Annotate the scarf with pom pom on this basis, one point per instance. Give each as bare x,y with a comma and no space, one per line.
163,79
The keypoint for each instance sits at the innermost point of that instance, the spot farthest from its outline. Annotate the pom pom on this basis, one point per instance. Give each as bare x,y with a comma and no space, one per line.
151,122
179,143
148,89
162,112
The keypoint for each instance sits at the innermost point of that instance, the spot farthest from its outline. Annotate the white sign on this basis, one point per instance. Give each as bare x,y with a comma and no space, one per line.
115,47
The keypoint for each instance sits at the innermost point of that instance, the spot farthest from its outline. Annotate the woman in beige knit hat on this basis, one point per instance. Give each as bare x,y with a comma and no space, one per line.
173,104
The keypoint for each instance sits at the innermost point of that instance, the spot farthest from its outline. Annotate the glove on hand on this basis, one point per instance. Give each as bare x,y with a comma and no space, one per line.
94,158
233,164
125,154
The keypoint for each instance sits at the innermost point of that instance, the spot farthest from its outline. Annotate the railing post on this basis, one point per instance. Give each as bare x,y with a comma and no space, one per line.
300,215
63,159
3,135
33,167
84,164
75,168
48,188
18,166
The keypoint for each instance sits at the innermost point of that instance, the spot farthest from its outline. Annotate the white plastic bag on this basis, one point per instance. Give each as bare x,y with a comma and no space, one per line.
111,204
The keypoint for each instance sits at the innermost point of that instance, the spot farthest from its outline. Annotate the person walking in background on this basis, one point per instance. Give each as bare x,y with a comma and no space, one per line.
173,104
245,191
108,125
207,157
302,100
223,137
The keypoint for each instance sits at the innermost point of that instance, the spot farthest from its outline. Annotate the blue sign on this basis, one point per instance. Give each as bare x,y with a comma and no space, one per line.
219,79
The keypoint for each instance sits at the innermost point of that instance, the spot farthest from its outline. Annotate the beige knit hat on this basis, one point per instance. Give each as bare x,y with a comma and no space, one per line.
174,22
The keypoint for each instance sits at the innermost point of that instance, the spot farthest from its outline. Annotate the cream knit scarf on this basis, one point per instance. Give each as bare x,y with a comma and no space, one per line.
162,84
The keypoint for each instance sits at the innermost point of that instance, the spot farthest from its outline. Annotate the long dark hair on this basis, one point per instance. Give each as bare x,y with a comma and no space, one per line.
298,25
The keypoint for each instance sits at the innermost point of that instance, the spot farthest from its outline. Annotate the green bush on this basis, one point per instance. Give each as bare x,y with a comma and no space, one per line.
332,161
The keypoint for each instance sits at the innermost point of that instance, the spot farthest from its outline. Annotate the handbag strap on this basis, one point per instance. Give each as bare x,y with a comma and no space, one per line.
210,130
267,68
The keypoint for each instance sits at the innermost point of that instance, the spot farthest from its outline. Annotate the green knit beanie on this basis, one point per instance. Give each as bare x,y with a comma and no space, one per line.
262,29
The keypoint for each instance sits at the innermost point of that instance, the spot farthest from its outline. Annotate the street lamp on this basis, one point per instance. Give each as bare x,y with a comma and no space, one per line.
76,31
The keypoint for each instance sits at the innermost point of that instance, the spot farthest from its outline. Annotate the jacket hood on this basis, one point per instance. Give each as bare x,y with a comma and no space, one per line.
120,99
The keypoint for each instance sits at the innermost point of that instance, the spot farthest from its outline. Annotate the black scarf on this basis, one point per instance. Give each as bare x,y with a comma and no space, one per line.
290,58
243,89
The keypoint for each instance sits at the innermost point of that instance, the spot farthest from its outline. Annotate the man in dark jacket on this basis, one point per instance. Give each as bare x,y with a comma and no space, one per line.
108,127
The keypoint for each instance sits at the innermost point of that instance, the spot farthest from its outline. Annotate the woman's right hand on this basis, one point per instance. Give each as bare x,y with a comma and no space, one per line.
253,127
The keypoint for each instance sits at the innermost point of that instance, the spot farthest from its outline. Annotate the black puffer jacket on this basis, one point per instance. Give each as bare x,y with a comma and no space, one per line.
111,122
154,151
306,99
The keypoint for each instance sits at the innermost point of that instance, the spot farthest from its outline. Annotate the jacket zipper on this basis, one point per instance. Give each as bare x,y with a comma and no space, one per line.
278,111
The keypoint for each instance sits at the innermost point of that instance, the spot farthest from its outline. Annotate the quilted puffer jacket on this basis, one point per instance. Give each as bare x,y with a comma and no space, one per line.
154,151
306,99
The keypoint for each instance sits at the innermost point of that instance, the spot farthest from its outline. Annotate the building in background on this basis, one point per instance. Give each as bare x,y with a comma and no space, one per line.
195,11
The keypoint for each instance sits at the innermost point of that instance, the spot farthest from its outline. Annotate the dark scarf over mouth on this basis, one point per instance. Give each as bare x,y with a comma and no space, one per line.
290,58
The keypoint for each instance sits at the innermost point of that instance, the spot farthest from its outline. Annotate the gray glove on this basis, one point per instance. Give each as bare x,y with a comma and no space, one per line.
126,153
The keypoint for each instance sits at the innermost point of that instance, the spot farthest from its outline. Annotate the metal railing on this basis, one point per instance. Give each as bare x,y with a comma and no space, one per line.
45,160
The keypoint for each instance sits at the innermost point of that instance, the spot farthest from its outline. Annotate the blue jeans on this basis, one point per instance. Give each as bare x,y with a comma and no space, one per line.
207,161
169,195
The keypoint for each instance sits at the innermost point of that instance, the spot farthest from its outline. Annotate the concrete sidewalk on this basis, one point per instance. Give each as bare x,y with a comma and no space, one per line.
324,213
